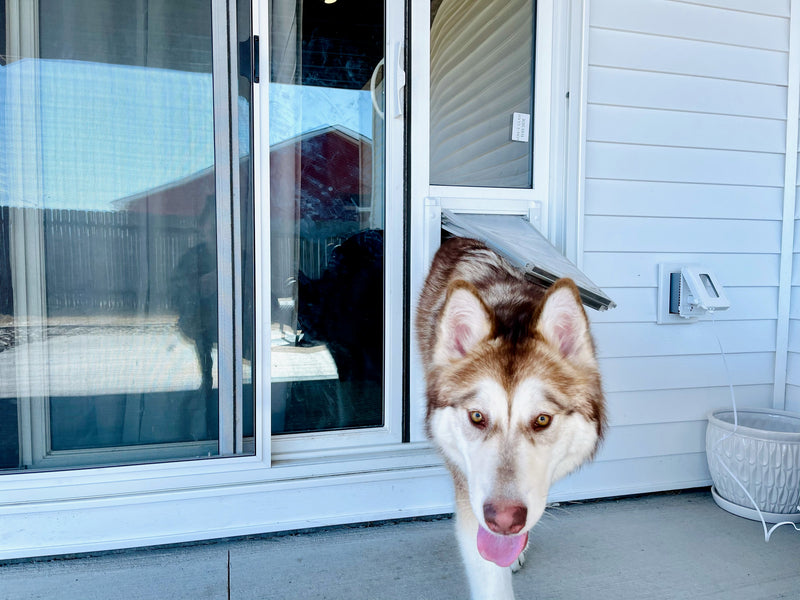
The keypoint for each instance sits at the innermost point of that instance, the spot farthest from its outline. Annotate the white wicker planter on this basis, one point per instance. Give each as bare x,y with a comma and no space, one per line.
763,452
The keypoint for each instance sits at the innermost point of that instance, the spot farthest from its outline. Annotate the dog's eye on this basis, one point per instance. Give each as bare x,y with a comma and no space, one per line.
542,421
477,418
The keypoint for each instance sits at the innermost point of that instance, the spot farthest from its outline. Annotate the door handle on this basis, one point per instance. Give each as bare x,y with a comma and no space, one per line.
373,85
400,79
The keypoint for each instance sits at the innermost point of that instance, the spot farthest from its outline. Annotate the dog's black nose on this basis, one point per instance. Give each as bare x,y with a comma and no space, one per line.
505,518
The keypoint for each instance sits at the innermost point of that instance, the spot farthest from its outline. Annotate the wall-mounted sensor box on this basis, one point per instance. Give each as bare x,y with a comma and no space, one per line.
686,292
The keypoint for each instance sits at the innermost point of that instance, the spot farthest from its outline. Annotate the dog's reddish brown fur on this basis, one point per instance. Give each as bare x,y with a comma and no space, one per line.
514,305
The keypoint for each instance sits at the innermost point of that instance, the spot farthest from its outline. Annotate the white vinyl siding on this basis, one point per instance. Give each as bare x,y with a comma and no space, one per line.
684,163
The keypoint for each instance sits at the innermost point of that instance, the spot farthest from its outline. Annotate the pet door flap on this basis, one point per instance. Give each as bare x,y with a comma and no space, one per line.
519,242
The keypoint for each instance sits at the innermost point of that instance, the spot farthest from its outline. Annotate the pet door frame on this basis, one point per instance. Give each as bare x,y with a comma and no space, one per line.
552,204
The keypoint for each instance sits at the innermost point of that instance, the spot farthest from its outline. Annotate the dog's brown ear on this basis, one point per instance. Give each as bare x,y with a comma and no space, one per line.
465,322
563,324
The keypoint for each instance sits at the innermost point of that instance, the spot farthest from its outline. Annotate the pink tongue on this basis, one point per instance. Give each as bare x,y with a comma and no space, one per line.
502,550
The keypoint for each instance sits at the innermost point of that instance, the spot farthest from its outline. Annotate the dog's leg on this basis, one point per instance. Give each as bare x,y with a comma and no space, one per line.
487,581
520,562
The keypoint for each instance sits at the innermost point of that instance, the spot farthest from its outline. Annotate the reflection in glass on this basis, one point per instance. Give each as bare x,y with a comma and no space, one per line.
108,258
327,214
481,74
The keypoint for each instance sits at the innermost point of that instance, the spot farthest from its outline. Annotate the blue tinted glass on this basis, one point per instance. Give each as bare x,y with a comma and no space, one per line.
108,256
327,214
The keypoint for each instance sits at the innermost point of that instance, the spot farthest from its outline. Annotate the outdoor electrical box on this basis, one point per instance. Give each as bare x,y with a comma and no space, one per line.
686,292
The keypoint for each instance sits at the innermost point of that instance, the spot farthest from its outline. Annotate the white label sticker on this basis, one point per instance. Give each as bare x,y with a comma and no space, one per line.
520,127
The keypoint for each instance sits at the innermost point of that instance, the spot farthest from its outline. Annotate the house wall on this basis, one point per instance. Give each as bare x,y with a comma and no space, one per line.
684,162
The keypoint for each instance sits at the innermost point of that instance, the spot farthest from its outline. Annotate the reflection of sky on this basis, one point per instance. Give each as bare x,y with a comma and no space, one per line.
101,132
295,109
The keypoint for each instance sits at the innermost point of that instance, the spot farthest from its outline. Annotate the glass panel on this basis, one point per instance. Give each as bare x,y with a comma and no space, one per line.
327,214
108,254
482,92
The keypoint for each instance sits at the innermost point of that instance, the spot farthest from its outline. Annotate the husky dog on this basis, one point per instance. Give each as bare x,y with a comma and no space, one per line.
514,399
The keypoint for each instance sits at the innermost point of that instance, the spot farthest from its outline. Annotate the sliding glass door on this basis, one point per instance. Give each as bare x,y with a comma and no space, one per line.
126,232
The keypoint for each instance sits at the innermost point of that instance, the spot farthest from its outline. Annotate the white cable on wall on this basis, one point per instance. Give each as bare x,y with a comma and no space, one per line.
716,448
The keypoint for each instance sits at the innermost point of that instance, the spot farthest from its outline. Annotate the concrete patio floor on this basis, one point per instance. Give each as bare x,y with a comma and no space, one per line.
660,546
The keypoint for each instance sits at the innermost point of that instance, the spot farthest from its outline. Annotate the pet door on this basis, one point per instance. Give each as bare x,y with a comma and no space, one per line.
519,242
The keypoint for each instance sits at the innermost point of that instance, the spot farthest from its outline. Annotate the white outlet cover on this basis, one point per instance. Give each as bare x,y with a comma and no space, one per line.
663,316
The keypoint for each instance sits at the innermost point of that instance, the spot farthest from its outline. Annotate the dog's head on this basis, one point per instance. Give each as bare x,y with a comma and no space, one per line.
513,413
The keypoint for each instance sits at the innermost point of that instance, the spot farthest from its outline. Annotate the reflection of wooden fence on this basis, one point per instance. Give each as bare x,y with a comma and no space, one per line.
124,261
312,254
104,261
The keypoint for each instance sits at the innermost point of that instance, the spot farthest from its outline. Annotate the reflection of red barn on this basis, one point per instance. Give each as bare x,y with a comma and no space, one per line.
183,198
320,194
334,165
334,169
